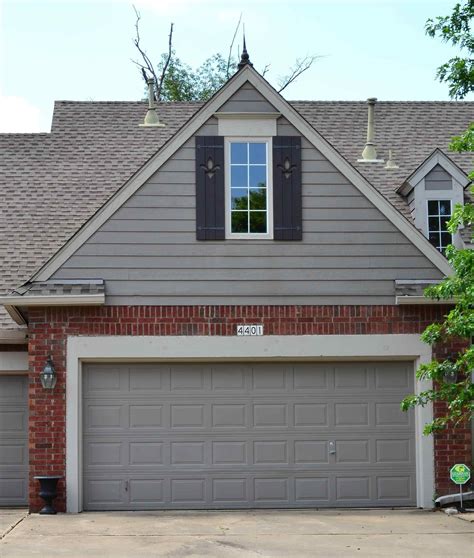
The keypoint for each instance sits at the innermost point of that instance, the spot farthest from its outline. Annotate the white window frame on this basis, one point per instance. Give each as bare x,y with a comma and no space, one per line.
228,200
437,199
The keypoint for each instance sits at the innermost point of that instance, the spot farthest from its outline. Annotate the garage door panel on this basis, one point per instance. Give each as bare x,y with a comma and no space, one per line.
394,376
203,437
229,453
230,415
311,377
13,440
228,378
310,414
352,377
14,390
394,451
145,416
230,491
394,488
351,415
146,453
149,491
390,414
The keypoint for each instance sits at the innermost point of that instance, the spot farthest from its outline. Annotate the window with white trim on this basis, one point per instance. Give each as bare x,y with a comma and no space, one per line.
439,213
249,189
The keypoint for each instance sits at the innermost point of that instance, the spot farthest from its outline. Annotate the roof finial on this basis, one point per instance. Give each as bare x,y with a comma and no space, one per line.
245,58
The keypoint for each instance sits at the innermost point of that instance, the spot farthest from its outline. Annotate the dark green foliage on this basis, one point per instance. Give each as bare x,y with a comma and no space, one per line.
452,378
458,72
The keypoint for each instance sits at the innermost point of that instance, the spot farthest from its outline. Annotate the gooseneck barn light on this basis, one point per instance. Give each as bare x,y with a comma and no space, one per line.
48,375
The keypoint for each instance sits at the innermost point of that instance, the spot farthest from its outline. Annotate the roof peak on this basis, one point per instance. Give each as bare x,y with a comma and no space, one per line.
244,58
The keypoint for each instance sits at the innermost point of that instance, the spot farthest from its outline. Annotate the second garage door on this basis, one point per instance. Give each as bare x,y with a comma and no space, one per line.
13,441
231,435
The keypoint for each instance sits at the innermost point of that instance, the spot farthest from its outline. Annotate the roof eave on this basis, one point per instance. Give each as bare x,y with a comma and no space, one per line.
53,300
401,300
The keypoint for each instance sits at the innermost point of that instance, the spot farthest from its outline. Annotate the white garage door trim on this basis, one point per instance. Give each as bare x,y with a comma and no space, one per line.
277,347
13,362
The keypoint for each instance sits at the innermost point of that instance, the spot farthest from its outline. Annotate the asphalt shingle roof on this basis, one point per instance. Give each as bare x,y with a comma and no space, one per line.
50,184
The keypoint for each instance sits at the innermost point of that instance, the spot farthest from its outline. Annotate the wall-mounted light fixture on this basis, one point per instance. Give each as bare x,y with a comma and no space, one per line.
450,377
48,375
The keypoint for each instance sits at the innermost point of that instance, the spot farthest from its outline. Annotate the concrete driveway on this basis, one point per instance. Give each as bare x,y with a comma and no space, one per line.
241,533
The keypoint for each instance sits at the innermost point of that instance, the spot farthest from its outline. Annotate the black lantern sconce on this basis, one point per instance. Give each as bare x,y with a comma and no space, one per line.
48,375
451,377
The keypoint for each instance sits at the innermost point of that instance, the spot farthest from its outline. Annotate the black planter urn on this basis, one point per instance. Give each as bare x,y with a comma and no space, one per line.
48,493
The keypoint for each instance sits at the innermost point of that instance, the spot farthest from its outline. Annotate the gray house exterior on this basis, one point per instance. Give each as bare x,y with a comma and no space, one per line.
161,242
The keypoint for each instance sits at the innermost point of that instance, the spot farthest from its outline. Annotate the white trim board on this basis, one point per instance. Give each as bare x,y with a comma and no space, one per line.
54,300
13,362
438,157
247,74
277,347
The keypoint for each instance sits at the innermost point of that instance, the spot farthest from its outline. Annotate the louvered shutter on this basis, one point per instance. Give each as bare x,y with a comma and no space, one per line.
210,194
287,212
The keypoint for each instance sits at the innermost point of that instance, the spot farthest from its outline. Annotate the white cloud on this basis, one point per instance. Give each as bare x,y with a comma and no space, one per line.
17,114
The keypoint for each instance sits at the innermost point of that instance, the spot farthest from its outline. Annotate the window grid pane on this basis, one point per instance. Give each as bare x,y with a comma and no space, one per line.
248,187
439,213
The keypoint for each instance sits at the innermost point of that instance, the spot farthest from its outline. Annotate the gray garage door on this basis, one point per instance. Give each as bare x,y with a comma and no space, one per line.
13,441
247,435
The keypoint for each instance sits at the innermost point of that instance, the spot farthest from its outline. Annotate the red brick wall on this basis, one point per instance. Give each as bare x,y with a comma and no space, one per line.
50,327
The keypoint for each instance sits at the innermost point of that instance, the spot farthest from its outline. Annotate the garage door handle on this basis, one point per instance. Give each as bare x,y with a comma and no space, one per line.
332,448
126,486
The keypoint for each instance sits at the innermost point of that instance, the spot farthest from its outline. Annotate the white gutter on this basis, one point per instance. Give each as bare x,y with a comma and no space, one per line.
406,299
13,362
13,337
53,300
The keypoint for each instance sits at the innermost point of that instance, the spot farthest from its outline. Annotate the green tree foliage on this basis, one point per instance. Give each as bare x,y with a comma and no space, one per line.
452,377
458,72
182,83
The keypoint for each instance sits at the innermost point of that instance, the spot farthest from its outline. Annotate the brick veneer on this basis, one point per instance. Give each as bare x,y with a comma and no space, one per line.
50,327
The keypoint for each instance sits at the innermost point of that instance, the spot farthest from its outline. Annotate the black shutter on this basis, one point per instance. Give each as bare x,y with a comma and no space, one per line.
287,212
210,204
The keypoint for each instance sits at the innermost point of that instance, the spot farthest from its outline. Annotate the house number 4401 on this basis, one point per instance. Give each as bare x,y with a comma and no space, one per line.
249,329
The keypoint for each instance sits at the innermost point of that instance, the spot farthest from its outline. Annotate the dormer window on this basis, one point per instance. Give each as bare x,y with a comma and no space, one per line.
439,212
432,191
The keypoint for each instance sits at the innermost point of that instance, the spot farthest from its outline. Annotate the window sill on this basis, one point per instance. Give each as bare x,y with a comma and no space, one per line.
255,236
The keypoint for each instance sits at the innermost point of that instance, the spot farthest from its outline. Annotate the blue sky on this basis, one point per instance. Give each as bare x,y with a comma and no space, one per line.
81,50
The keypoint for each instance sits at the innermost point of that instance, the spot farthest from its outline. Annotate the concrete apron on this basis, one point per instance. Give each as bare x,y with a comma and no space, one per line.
241,533
9,518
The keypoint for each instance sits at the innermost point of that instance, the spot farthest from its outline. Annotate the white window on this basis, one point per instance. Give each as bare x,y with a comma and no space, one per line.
439,213
248,188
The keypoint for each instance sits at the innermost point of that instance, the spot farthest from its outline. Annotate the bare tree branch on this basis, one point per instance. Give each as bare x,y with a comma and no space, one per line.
265,69
229,58
165,67
301,66
148,64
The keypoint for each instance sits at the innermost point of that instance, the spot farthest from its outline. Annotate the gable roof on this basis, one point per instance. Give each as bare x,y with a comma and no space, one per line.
247,74
438,157
95,147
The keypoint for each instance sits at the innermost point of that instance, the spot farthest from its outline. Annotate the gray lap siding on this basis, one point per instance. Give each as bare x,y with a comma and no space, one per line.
148,253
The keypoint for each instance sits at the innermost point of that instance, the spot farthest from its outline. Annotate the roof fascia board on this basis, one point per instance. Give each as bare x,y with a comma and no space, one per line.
13,337
401,300
53,300
16,315
186,132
